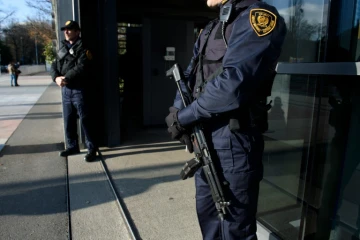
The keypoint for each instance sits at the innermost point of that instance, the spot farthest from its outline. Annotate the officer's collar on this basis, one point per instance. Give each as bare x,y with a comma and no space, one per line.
72,44
69,45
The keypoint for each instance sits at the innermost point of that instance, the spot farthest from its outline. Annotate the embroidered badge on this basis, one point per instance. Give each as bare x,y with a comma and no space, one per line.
89,55
67,23
71,51
262,21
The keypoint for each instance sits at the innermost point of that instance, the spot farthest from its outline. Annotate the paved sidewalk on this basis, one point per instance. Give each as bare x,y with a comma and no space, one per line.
15,102
33,189
146,171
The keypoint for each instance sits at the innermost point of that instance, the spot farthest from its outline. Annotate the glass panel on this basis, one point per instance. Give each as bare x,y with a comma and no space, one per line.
122,30
134,25
121,37
286,144
336,170
311,162
129,82
121,51
122,44
344,33
306,22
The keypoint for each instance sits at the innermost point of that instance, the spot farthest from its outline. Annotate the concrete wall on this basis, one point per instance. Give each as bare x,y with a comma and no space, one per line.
30,69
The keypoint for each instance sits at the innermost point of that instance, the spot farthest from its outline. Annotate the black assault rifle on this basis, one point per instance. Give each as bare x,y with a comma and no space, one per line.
202,154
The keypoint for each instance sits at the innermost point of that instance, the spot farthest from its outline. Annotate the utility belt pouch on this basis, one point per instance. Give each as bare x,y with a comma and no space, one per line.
240,123
239,120
190,168
259,115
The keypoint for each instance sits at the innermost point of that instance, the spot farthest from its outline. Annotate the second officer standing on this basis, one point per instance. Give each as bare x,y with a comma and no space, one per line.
70,71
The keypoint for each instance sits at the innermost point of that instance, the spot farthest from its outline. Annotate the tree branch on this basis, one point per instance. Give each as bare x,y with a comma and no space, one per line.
44,6
6,16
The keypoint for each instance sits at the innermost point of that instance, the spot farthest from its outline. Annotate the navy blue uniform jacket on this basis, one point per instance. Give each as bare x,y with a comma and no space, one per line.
246,62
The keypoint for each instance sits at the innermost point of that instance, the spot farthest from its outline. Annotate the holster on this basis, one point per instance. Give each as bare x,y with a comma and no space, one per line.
250,117
240,120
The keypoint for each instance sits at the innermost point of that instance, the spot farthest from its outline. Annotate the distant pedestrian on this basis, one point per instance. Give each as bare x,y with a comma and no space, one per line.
17,73
12,73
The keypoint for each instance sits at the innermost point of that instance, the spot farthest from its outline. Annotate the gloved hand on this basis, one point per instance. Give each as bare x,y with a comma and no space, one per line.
176,130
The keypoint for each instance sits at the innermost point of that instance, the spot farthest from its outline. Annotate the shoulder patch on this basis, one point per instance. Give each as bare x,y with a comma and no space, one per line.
89,55
262,21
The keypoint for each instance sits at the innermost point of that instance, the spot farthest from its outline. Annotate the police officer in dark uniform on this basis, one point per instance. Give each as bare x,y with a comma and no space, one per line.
70,71
230,76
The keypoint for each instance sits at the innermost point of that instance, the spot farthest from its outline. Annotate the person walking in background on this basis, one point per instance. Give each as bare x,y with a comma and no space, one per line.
71,72
12,73
17,73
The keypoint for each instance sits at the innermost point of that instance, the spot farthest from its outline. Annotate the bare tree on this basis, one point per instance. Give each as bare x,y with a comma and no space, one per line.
41,29
14,35
26,41
44,6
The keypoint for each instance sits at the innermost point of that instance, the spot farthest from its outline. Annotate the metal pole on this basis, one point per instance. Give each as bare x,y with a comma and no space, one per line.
22,51
36,51
0,57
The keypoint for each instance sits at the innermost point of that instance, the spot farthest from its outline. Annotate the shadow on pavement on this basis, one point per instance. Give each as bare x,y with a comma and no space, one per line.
30,149
32,198
31,104
126,147
31,116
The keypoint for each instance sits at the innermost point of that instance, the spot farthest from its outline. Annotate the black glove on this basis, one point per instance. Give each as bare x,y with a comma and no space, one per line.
176,130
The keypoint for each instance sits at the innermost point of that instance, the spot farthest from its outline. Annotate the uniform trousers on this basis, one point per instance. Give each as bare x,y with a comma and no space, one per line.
74,106
239,158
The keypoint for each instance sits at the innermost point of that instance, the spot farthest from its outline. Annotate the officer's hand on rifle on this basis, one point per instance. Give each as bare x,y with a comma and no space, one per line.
176,130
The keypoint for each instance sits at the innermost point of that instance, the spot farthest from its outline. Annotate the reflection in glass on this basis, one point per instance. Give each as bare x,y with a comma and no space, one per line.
286,144
306,22
343,40
338,217
312,159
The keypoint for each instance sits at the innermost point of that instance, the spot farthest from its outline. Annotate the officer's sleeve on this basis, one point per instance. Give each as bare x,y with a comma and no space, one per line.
247,59
178,101
54,73
79,69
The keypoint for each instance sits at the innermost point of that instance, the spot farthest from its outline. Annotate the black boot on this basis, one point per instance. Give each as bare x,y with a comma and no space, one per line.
90,156
69,151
